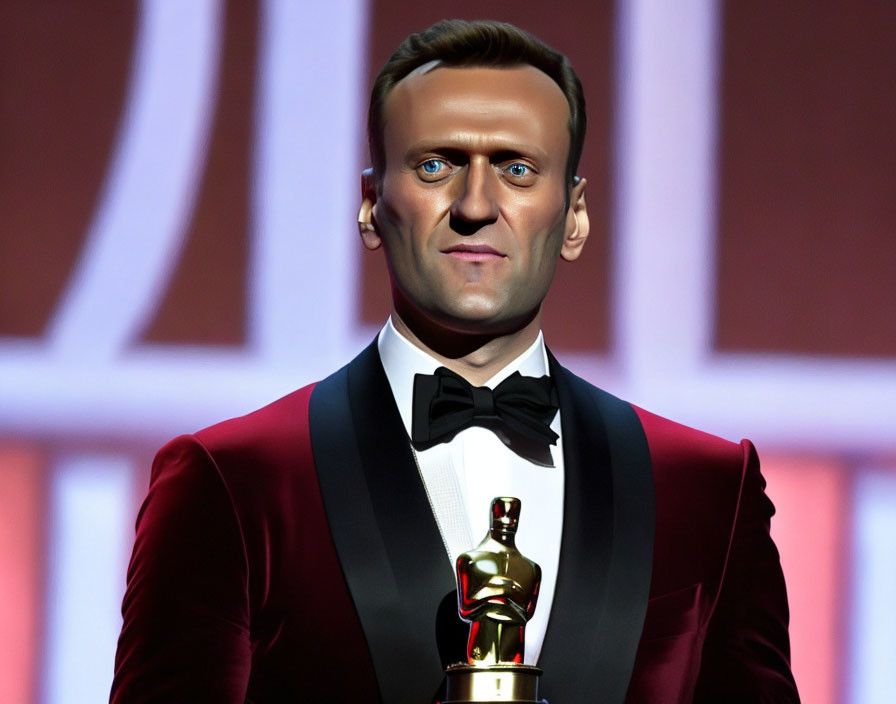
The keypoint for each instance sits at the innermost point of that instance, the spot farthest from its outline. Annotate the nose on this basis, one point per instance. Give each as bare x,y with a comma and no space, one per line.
476,204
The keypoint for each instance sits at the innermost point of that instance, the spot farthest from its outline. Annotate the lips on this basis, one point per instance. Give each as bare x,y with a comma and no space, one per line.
474,253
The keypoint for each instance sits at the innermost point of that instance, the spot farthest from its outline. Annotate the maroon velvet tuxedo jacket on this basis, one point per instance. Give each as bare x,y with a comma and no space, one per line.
291,555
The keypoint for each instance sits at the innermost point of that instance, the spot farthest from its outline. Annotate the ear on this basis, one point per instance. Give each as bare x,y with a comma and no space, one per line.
366,224
577,224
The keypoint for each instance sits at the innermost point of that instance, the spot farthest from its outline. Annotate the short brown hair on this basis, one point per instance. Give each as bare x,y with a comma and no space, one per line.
481,43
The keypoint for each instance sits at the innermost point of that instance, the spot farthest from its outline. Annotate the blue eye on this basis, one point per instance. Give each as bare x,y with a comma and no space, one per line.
518,169
431,166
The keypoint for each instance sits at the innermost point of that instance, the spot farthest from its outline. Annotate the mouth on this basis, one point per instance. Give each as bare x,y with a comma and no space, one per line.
474,253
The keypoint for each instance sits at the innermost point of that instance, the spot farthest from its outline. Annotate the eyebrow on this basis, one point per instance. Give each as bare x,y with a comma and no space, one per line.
501,150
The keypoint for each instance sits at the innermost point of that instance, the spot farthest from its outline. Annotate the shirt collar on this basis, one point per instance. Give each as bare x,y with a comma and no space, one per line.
402,360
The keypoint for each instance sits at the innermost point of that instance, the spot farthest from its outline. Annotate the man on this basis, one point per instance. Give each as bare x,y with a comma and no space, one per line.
304,552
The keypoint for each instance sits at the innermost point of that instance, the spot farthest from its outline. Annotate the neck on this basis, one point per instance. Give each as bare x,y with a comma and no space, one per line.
506,539
475,357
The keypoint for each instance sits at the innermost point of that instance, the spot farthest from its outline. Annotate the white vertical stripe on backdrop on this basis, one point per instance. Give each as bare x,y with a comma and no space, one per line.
89,540
873,638
150,186
305,192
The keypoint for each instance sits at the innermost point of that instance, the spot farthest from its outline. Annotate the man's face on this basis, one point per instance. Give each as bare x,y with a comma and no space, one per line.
472,208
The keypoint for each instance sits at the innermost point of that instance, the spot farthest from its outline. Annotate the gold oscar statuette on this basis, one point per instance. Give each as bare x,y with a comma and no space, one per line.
497,588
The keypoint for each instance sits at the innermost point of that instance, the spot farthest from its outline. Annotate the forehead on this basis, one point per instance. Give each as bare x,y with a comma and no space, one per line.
499,108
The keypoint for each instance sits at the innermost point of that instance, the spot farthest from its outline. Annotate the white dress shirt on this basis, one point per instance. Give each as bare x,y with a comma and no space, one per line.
461,477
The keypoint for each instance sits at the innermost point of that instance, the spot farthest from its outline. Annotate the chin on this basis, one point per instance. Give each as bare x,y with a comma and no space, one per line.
479,321
463,313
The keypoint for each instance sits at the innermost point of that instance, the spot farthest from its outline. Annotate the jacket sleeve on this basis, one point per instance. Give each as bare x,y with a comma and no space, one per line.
185,636
746,655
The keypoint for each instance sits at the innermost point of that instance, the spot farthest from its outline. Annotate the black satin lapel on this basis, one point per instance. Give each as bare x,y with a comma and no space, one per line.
567,656
606,557
387,540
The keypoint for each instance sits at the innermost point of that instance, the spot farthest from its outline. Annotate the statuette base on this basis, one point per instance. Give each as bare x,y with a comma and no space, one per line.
504,683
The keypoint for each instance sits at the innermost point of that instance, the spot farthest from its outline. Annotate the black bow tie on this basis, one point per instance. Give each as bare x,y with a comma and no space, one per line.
519,410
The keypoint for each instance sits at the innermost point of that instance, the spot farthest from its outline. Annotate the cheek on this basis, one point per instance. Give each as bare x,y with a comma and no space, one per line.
544,234
410,214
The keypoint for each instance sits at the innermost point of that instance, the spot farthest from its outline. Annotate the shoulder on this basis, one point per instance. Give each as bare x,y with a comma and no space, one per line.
697,471
673,447
253,458
673,443
271,427
280,425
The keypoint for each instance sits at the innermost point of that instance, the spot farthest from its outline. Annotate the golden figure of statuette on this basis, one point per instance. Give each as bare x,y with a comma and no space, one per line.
497,590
